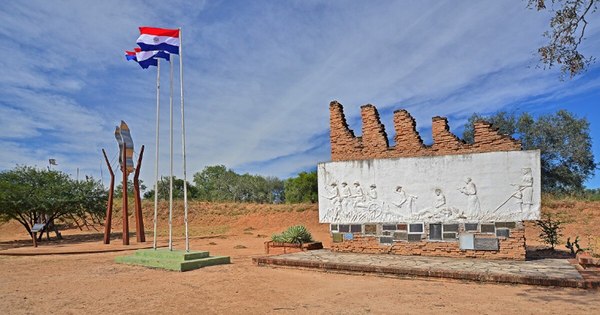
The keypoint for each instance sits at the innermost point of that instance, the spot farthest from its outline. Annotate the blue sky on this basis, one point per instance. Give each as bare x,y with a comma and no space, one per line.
259,76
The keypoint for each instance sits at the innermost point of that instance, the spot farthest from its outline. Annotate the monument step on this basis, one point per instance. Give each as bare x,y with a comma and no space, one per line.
170,261
165,253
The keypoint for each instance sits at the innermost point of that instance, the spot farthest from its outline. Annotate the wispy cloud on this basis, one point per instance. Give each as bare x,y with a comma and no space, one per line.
259,75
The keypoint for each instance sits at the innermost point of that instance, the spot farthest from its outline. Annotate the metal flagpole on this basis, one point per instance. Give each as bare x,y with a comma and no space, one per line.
185,203
171,160
157,146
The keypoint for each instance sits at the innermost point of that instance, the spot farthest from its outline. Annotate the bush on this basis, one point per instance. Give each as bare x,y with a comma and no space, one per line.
297,234
550,229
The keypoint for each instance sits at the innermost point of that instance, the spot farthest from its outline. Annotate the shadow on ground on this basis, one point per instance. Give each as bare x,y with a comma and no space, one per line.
543,252
66,240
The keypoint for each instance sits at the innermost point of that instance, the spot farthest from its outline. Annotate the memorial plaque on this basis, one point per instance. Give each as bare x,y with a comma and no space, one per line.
414,237
508,225
348,236
486,243
386,240
402,227
488,228
356,228
400,236
333,227
338,237
471,227
416,228
389,227
344,228
503,232
435,231
370,229
449,236
466,241
451,227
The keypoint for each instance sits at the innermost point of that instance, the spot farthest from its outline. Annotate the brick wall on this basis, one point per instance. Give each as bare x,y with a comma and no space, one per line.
511,248
374,142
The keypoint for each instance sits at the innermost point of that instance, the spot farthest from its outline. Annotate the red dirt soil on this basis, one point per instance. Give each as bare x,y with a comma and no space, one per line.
93,283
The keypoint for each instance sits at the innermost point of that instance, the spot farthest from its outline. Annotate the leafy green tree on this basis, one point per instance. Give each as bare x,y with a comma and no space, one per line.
119,188
218,183
215,183
163,189
30,195
564,140
302,188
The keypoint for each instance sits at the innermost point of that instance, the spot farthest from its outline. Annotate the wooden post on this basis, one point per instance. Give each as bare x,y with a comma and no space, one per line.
139,220
109,205
34,239
125,212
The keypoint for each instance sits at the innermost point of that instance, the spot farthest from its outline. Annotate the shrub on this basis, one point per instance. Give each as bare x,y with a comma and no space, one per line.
550,229
296,234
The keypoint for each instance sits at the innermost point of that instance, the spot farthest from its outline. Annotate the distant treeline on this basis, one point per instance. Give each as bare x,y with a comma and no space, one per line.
218,183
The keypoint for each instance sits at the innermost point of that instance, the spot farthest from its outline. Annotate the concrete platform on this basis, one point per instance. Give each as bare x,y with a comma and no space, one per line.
544,272
176,260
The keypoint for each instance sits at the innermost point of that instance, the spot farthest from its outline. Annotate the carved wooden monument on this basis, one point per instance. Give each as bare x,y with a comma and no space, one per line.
123,136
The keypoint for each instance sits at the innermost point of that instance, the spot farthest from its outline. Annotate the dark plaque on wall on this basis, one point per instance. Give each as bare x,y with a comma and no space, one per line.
486,243
472,227
503,232
416,228
488,228
435,231
451,227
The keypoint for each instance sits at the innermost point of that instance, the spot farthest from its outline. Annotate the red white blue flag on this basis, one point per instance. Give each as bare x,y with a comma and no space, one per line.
130,55
146,58
152,39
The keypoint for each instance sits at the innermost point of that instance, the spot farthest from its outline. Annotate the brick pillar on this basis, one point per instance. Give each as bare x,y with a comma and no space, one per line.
344,145
487,139
408,141
374,139
444,142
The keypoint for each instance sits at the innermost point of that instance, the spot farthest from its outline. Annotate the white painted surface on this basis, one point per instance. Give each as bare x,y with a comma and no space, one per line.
504,186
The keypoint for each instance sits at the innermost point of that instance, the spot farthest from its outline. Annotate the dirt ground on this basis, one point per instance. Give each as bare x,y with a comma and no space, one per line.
94,284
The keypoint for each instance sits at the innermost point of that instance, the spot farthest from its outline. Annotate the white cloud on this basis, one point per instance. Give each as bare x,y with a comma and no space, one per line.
259,76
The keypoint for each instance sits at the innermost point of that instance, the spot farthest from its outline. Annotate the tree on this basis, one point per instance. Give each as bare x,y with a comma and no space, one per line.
163,189
564,140
30,195
119,188
568,27
218,183
215,183
303,188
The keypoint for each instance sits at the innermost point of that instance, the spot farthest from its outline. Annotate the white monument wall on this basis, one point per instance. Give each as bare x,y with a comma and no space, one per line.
496,186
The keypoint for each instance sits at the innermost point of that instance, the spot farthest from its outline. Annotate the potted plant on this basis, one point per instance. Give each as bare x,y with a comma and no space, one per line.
295,238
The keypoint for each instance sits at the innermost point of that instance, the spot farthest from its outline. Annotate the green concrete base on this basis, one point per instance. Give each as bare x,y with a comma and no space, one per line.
176,260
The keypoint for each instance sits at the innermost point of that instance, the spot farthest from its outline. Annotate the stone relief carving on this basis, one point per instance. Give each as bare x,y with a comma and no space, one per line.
470,190
399,197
